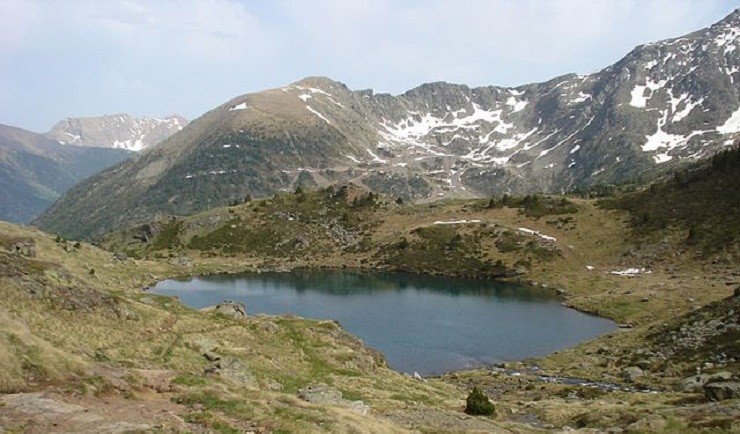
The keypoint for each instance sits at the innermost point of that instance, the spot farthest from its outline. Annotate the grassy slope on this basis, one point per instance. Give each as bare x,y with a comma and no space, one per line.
74,335
379,234
114,331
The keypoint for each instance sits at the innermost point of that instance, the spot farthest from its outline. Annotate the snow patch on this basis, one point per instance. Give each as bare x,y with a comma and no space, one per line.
688,106
313,90
318,114
582,97
731,125
414,129
661,139
375,157
515,104
631,271
242,106
455,222
533,232
639,99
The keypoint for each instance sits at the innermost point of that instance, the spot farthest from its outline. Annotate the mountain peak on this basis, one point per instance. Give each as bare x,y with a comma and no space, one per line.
319,82
664,103
733,18
120,130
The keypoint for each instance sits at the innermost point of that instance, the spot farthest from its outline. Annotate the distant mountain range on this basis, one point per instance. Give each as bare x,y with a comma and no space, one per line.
121,131
35,170
664,103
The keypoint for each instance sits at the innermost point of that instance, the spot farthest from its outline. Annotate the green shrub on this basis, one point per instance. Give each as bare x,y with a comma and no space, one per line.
478,404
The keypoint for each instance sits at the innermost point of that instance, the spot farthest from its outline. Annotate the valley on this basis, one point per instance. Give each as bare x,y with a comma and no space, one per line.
78,324
550,257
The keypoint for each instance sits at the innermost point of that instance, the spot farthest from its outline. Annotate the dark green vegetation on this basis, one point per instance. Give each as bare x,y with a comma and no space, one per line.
441,248
35,170
702,200
478,404
373,230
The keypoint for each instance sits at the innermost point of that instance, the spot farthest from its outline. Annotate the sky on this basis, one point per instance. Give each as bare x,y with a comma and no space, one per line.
69,58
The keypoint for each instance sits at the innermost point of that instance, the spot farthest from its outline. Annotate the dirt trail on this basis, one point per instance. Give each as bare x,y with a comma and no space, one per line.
50,412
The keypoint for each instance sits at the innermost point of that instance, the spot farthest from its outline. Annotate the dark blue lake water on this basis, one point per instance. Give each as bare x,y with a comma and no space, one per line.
421,323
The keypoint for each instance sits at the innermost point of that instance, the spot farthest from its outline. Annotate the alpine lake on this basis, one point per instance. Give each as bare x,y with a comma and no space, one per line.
425,324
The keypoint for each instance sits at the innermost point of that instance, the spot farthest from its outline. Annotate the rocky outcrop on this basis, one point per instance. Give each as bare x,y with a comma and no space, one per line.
24,248
321,394
722,390
632,374
230,308
696,383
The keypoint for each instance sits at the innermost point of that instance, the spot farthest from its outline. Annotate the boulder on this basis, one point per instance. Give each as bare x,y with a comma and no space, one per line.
722,390
211,356
632,373
652,423
696,383
233,370
230,308
120,256
322,394
181,261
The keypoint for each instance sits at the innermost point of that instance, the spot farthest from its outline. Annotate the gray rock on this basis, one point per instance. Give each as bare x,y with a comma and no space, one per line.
269,327
632,373
722,390
203,344
181,261
120,256
359,407
693,384
230,308
653,423
234,370
211,356
321,394
25,248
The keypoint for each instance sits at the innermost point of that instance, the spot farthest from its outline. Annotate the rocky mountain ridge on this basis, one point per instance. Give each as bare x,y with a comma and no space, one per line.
663,104
120,131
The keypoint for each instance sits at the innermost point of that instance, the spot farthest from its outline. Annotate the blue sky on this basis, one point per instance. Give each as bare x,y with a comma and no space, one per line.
87,58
